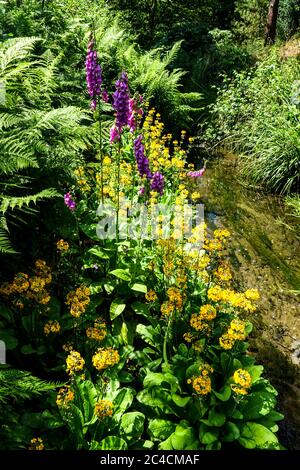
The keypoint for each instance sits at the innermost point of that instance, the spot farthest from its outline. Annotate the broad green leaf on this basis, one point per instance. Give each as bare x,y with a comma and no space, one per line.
157,398
112,443
255,372
153,379
216,418
160,428
88,394
257,404
230,432
181,401
28,349
99,252
207,434
224,394
116,308
121,274
132,424
122,401
150,334
139,288
255,435
8,337
184,439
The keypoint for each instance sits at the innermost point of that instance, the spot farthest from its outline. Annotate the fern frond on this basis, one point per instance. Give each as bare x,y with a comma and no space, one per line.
5,245
19,202
18,384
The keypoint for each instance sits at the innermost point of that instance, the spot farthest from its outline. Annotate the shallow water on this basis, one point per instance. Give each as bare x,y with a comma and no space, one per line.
265,254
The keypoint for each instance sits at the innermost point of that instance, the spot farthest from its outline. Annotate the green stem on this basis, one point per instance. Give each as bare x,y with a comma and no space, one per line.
165,355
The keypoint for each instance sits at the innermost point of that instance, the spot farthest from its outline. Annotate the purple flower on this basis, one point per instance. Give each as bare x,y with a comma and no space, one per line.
141,191
132,110
69,201
105,96
141,159
93,74
121,102
196,174
114,135
158,182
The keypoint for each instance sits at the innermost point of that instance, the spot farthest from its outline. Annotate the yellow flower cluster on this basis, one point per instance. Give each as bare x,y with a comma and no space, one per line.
235,299
151,296
235,332
188,337
31,288
36,444
199,321
174,302
64,397
109,179
242,381
82,179
105,357
62,245
98,332
52,327
104,409
202,383
78,300
75,362
223,272
217,243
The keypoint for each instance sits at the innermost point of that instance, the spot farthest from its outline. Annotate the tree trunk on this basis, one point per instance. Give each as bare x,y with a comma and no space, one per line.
271,22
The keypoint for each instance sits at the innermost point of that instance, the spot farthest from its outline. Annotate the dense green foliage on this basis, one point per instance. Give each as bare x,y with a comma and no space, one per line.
257,114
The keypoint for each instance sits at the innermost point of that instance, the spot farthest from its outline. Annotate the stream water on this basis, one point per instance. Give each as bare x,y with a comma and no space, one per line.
265,254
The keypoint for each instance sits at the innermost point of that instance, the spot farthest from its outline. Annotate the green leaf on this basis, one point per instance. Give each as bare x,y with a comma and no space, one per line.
116,308
8,337
150,334
258,404
224,394
153,379
123,274
139,288
99,252
112,443
5,312
231,432
132,424
255,372
207,434
214,446
160,429
28,349
122,401
88,394
158,399
181,401
50,420
255,435
184,438
216,418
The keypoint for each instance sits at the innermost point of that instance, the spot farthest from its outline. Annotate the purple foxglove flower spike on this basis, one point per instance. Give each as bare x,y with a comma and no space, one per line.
141,159
114,135
121,102
69,201
158,182
93,74
196,174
